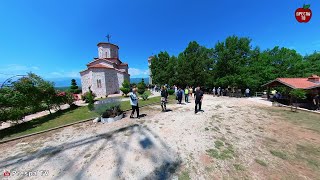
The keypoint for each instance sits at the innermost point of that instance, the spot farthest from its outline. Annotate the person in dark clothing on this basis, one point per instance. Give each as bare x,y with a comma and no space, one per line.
198,99
164,96
316,102
179,95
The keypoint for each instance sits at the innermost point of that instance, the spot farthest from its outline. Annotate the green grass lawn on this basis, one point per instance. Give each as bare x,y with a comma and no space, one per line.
61,118
50,121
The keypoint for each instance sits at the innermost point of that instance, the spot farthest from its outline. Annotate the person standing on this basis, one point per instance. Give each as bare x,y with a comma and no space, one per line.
218,91
175,89
316,101
198,99
186,94
247,91
214,91
164,96
190,92
179,95
134,102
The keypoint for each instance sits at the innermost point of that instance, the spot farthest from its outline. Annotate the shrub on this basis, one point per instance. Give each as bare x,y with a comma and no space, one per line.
90,99
144,96
108,108
125,91
141,88
170,91
85,96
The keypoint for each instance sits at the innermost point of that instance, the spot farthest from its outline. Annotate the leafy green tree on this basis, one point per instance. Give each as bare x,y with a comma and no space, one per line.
141,87
125,87
233,62
25,96
295,95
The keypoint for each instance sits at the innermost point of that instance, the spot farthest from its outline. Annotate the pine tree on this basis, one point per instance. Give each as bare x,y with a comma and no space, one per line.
74,87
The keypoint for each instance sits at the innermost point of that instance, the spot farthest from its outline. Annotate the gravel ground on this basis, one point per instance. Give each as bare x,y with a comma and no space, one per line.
162,145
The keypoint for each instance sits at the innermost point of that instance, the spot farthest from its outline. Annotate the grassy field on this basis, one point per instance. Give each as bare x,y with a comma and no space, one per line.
46,122
304,152
306,119
61,118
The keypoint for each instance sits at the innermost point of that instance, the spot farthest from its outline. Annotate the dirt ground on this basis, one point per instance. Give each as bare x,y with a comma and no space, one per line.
231,139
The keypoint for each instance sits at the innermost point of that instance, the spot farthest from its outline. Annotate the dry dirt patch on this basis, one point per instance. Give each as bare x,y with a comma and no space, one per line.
232,138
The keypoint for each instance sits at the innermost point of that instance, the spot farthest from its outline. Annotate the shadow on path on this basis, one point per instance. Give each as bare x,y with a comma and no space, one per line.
165,161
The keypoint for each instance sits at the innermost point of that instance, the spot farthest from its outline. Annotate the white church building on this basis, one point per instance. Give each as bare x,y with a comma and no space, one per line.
105,74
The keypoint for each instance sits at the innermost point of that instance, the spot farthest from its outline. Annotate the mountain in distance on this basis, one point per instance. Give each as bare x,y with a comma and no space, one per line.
137,80
66,82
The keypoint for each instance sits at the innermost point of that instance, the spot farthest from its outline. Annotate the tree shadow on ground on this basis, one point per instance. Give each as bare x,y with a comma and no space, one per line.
18,128
165,161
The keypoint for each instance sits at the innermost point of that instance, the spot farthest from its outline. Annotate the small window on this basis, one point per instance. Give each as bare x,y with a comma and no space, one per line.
99,83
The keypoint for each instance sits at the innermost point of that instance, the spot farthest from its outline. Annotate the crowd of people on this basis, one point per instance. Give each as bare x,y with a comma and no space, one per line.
188,93
195,93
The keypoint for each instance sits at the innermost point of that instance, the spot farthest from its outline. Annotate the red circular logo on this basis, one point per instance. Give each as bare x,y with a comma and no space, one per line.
303,15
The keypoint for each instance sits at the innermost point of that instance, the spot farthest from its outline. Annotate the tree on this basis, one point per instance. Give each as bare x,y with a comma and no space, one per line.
74,87
141,87
90,99
233,62
25,96
125,87
295,95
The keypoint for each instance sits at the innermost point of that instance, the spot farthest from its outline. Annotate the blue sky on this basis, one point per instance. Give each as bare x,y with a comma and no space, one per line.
55,39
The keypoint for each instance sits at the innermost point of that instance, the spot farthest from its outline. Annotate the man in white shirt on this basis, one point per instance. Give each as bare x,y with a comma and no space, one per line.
134,102
247,92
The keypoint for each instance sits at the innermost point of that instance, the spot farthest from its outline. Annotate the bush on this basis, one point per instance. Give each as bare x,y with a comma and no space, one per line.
85,96
125,91
108,108
170,91
141,88
144,96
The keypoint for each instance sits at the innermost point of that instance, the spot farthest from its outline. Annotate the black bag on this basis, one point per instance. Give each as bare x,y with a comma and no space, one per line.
176,97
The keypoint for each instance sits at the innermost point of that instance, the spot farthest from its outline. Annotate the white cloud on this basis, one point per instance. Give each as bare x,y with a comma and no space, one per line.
138,72
64,74
9,70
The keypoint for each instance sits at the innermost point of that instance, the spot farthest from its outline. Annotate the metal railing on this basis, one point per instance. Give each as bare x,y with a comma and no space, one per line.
259,94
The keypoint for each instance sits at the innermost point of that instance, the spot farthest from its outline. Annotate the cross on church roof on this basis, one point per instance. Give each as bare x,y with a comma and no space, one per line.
108,37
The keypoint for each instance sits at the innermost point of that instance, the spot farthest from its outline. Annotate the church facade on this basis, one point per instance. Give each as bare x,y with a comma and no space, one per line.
106,73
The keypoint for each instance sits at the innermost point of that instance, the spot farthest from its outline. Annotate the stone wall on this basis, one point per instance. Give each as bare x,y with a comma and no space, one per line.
112,82
99,74
107,51
85,81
